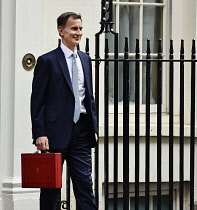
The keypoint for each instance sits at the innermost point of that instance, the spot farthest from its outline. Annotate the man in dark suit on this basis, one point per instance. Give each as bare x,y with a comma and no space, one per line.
63,111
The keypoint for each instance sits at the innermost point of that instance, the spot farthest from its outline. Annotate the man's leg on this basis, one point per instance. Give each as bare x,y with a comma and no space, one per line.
48,199
80,165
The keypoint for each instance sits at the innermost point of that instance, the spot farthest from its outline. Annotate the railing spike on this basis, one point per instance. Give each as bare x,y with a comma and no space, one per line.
87,46
171,47
193,46
137,48
182,47
148,47
126,47
159,47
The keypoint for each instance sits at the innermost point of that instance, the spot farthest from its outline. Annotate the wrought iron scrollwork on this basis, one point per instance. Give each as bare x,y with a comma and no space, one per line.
106,16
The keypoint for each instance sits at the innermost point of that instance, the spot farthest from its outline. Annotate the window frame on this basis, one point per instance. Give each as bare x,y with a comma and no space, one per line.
165,39
152,192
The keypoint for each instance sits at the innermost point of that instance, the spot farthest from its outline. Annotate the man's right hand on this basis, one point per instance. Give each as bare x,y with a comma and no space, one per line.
42,143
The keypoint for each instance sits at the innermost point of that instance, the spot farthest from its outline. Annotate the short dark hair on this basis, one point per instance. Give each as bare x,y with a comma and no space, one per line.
63,18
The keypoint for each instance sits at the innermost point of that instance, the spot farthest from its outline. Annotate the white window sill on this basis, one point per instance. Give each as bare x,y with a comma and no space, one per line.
153,126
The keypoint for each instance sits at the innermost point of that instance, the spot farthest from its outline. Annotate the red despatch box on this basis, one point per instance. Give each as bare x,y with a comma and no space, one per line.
41,170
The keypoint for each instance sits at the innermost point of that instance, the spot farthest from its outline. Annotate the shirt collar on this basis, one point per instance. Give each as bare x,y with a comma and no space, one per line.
67,52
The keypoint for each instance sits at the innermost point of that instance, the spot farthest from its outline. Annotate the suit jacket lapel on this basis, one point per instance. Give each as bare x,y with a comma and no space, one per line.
64,67
85,65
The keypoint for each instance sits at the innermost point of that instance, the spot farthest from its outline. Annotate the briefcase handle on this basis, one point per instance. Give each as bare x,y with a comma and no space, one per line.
39,151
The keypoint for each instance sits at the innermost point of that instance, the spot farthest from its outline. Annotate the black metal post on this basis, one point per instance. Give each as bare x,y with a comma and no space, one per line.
106,26
192,126
137,123
181,172
116,122
96,177
147,175
159,125
106,125
171,125
126,128
87,46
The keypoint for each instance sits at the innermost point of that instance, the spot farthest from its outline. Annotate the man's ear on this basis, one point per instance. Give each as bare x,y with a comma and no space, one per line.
60,30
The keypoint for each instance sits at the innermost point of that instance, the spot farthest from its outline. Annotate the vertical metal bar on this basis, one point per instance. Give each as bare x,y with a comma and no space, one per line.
171,123
137,123
192,126
147,172
106,124
87,46
126,129
106,24
111,10
159,123
96,180
181,172
116,122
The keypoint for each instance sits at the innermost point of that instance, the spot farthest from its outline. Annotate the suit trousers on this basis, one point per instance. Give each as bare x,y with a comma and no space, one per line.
79,161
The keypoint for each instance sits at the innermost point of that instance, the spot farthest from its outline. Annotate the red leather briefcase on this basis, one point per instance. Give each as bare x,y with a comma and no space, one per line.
41,170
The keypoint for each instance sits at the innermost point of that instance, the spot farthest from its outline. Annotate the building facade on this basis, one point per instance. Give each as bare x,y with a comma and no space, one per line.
30,27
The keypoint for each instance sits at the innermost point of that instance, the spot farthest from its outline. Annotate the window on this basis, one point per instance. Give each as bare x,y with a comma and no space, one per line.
138,19
152,206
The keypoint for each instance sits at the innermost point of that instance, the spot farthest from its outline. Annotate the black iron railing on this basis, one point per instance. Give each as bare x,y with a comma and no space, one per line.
125,63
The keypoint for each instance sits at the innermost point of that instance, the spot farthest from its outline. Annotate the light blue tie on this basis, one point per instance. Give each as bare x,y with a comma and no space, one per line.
75,85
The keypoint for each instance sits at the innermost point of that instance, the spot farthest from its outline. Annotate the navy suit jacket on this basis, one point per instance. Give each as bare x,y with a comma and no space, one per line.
52,99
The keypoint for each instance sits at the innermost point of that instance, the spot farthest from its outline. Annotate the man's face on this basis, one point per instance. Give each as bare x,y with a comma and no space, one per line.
72,32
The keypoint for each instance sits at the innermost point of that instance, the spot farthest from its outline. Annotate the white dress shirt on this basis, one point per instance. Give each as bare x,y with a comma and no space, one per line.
68,55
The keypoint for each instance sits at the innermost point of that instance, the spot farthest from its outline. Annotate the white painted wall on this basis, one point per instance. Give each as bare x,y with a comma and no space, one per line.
0,97
22,32
90,11
30,27
26,27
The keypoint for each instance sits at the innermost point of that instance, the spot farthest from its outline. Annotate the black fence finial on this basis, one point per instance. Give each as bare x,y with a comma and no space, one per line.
171,47
126,47
182,47
148,48
137,47
87,46
193,46
160,48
